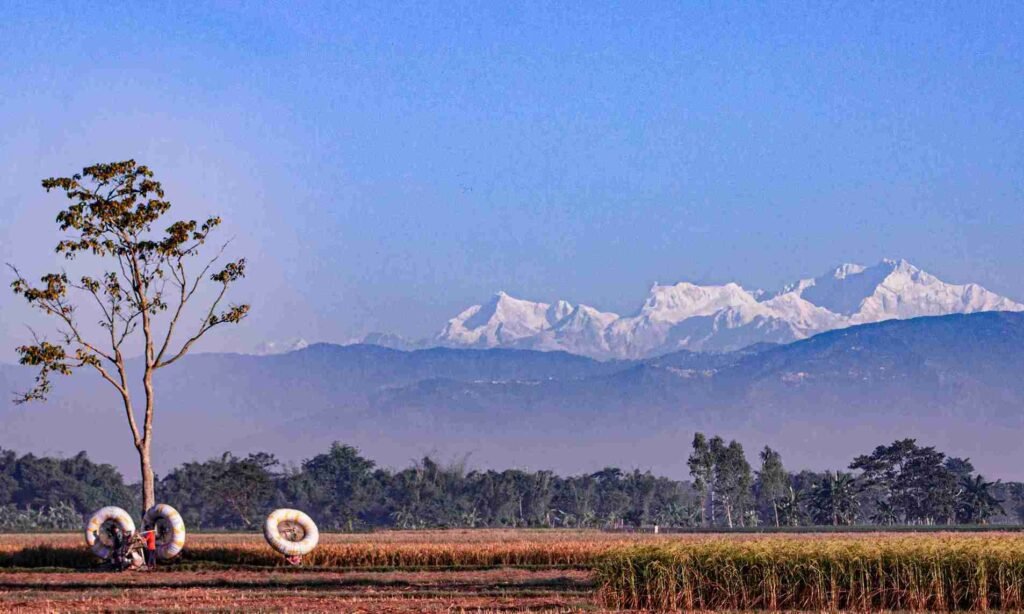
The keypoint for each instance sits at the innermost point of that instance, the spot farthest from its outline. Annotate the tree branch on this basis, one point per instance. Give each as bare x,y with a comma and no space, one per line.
186,295
208,322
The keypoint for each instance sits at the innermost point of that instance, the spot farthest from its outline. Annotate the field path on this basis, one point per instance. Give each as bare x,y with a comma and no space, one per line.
495,590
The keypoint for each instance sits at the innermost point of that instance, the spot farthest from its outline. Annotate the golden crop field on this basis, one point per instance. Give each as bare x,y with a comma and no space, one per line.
567,570
441,548
387,549
934,572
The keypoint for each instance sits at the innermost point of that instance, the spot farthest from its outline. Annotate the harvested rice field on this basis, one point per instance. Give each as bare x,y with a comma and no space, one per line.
532,571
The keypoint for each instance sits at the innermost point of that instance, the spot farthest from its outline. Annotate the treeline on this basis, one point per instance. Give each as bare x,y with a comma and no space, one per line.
902,483
344,491
897,484
42,493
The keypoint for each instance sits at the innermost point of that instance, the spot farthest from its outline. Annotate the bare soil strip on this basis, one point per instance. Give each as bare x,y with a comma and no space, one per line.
494,579
499,590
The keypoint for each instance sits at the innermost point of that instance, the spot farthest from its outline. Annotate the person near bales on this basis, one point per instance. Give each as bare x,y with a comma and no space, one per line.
149,547
118,547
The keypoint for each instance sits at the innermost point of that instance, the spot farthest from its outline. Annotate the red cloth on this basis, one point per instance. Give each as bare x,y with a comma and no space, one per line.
150,539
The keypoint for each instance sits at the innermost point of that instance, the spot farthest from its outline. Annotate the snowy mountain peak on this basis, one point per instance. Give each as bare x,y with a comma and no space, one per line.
686,300
584,317
558,311
896,289
795,288
844,270
503,320
388,340
899,263
268,348
720,317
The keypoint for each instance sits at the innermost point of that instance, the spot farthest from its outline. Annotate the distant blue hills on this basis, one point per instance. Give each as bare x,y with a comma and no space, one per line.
951,381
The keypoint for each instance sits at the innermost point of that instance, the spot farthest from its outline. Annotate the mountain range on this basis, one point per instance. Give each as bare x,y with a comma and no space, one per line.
716,318
951,381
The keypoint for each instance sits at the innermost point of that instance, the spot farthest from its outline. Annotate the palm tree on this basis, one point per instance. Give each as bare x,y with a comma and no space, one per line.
833,500
676,514
791,507
976,504
885,513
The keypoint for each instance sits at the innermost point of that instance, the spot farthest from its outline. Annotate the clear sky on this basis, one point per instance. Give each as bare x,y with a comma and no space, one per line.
385,164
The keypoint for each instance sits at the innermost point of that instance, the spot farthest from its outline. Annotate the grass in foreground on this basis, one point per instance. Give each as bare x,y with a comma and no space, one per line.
918,573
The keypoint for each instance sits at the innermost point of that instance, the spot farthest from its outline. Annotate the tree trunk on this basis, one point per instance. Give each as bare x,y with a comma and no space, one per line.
148,487
711,507
775,507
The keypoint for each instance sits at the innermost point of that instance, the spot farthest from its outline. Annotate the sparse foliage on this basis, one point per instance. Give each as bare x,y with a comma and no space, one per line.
146,281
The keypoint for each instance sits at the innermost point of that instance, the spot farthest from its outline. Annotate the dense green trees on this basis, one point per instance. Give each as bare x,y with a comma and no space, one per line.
40,493
901,483
702,470
722,476
833,500
339,486
912,484
733,480
976,503
41,482
225,492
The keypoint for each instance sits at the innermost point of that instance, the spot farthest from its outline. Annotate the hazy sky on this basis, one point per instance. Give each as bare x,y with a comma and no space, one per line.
385,164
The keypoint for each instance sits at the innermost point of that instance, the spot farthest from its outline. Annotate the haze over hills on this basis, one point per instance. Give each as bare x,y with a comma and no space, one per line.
952,381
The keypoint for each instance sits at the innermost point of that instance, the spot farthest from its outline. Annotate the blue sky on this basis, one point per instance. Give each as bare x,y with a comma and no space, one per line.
385,164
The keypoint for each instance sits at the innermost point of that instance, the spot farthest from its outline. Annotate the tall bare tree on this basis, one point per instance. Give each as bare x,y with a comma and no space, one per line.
147,280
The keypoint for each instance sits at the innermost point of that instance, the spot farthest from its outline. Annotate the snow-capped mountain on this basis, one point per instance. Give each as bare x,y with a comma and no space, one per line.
389,340
502,322
720,318
682,316
280,347
582,331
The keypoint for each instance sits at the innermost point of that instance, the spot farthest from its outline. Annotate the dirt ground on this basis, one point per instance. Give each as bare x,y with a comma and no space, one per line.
497,590
293,590
200,585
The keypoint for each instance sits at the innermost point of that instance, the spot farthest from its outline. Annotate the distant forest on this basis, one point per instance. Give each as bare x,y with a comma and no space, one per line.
898,484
